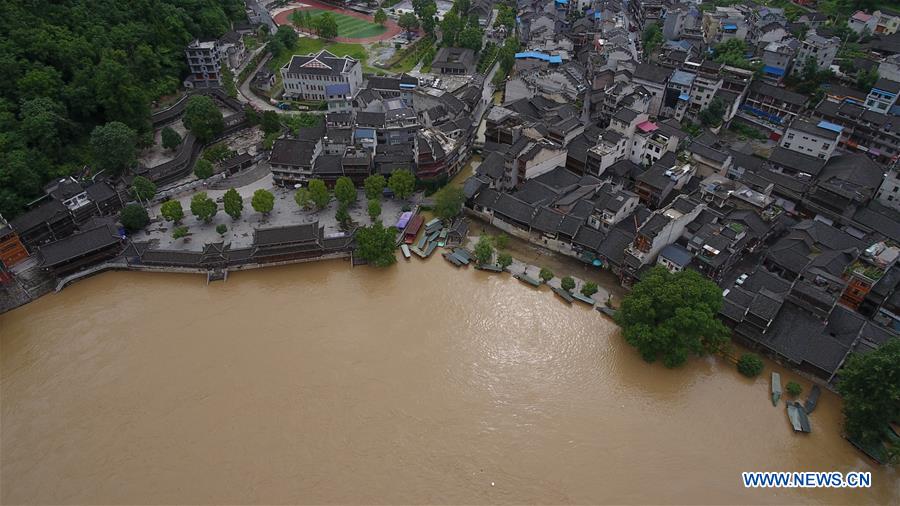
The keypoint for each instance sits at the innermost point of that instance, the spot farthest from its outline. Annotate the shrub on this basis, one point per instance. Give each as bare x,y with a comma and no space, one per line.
567,283
221,229
750,365
134,217
546,274
793,388
203,169
179,232
589,288
504,260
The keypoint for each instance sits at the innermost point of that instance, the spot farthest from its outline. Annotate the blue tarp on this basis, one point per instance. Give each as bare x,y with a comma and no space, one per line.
775,71
562,2
597,15
407,86
540,56
684,96
831,126
729,26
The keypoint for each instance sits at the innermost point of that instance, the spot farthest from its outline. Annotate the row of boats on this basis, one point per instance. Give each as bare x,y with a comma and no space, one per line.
434,236
798,414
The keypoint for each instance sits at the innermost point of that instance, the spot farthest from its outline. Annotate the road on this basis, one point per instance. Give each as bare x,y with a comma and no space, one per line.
262,13
248,97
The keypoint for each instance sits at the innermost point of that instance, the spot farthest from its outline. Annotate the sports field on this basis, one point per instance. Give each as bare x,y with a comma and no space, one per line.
350,27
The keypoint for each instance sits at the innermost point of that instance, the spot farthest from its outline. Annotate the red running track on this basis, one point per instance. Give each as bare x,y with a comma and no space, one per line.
392,29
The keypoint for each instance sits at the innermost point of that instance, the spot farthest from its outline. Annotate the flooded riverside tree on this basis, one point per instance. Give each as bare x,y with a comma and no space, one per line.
448,202
671,316
263,201
402,183
870,385
375,244
171,210
484,252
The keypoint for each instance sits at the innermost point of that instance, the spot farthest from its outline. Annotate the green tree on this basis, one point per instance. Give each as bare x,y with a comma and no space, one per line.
866,79
451,29
793,388
870,386
319,193
344,191
501,241
326,26
448,202
402,183
171,210
750,365
170,138
376,244
203,207
713,114
471,38
374,209
203,118
504,260
303,198
545,274
342,216
732,52
113,147
233,203
221,229
380,17
203,169
286,37
589,289
179,232
142,188
374,185
269,122
484,252
263,201
409,23
651,38
567,283
134,217
671,316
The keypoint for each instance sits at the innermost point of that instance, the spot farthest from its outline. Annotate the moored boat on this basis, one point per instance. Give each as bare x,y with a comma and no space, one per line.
606,310
563,294
583,298
405,250
430,248
450,257
798,417
776,388
527,279
810,405
489,267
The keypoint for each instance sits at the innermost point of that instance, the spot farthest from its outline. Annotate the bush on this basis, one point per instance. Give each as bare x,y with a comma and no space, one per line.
504,260
546,274
179,232
567,283
203,169
134,217
221,229
589,288
750,365
793,388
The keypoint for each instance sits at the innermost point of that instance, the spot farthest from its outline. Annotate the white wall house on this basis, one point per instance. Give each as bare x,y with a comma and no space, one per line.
306,77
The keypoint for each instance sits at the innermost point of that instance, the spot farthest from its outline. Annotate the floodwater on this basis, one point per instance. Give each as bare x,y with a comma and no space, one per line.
421,383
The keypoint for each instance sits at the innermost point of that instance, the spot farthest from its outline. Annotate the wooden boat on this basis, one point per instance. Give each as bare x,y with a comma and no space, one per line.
812,400
875,452
412,229
463,253
433,223
776,388
452,259
405,250
606,310
418,251
489,267
583,298
798,417
422,241
527,279
432,237
563,294
430,249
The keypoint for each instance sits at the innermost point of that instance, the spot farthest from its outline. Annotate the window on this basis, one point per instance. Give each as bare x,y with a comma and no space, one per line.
826,145
787,144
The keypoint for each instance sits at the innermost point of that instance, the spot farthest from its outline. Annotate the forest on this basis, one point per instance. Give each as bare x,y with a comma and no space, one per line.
71,66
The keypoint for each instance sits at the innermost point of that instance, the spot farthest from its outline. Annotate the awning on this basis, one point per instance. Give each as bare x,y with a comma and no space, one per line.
684,96
775,71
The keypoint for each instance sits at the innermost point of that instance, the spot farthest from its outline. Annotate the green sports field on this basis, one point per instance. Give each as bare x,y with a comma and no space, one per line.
350,27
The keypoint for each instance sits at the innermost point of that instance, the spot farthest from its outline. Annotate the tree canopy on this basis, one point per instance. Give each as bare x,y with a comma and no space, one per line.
408,22
448,202
203,169
376,245
326,26
203,118
134,217
318,192
671,316
170,138
171,210
113,146
374,185
484,252
870,385
402,183
263,201
344,190
380,17
233,203
142,188
203,207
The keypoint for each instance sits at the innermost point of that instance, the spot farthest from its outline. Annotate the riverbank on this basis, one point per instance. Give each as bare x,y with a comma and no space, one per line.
458,378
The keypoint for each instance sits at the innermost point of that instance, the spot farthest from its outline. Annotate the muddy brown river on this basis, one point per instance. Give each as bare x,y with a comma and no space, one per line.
421,383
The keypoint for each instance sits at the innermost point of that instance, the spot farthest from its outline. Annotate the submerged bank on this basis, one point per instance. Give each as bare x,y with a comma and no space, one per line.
422,383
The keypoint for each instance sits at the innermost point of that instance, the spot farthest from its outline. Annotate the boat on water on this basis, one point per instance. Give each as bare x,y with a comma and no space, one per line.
452,259
418,251
463,254
798,417
563,294
404,248
430,248
433,236
583,298
422,242
606,310
527,279
412,229
776,388
432,223
810,405
489,267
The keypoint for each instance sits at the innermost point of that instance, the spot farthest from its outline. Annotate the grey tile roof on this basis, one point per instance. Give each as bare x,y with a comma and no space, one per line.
76,245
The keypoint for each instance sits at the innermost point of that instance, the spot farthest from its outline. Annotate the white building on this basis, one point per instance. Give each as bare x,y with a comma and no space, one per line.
812,139
306,77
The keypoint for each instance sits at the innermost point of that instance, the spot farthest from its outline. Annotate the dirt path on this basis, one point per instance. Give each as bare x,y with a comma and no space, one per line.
392,29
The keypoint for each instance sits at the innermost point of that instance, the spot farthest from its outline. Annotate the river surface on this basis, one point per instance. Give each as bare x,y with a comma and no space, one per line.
421,383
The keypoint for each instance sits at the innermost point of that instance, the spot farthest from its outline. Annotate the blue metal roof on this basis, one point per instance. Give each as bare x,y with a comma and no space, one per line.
562,2
729,26
684,96
775,71
883,92
597,15
337,89
540,56
830,126
364,133
407,86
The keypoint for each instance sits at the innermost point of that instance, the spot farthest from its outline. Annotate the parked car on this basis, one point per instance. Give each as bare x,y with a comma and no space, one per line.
741,279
